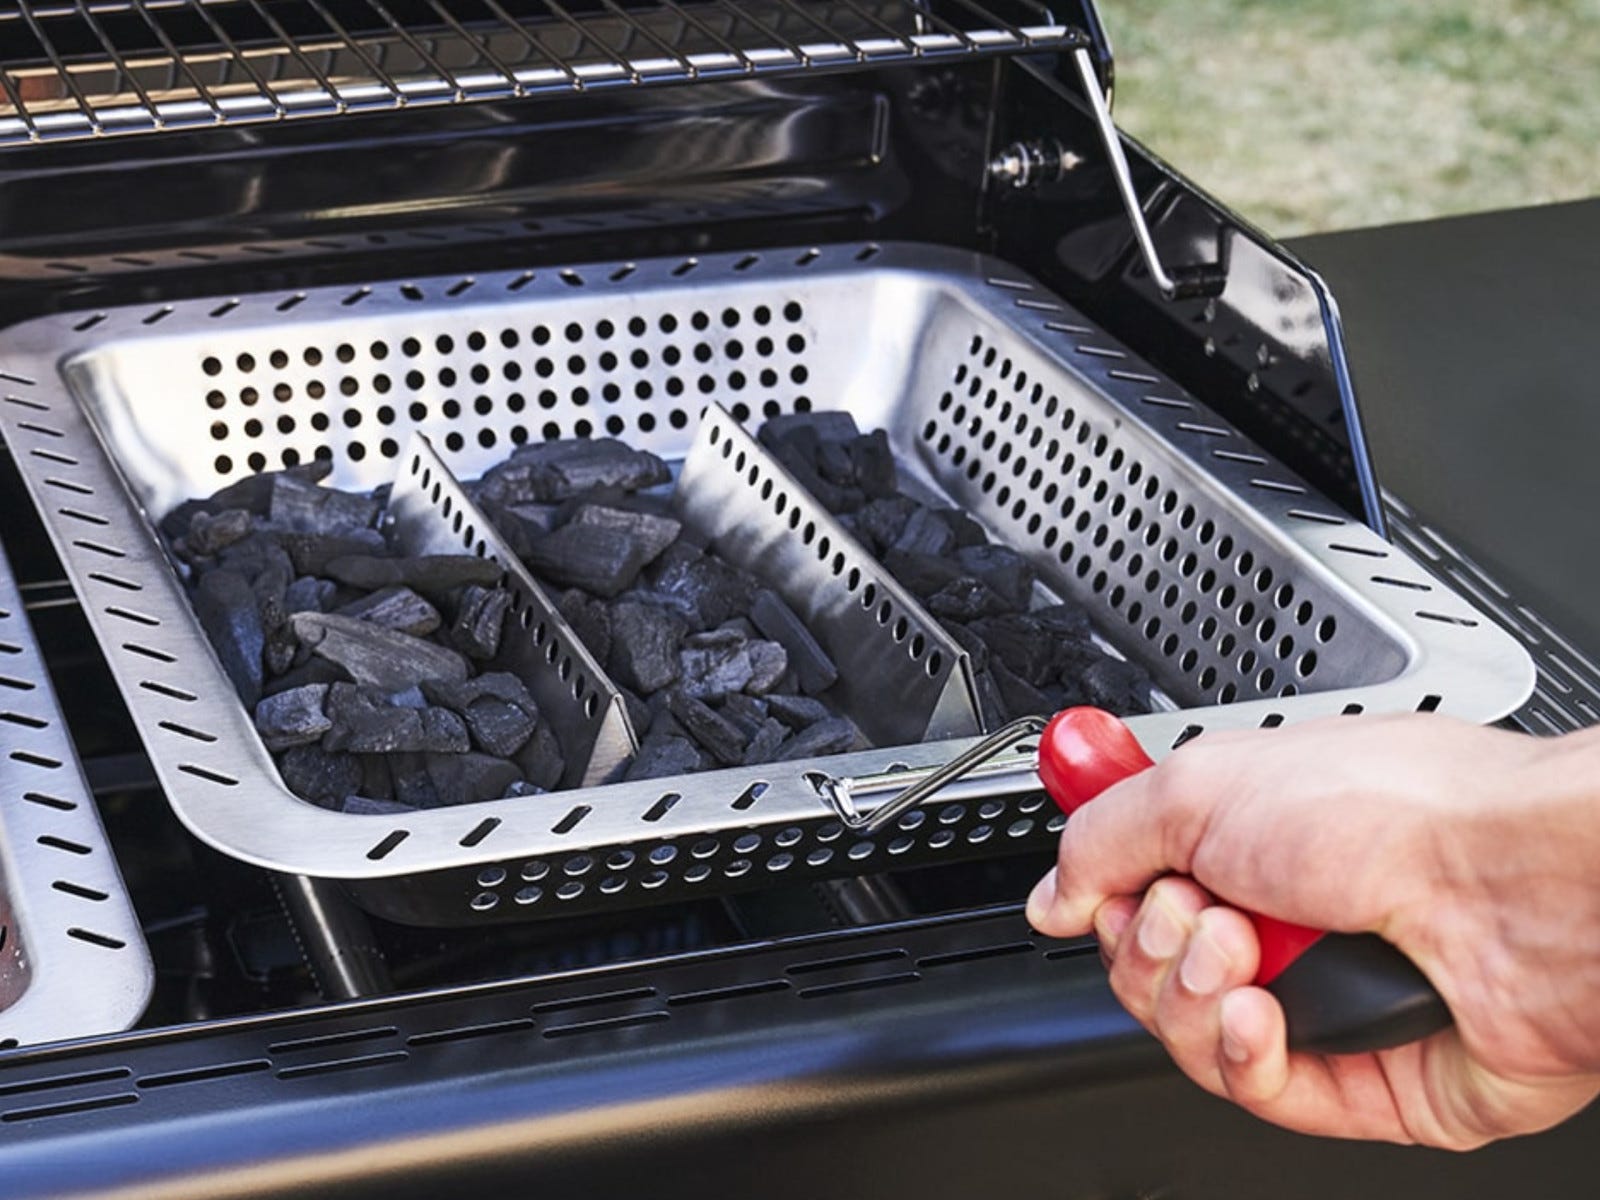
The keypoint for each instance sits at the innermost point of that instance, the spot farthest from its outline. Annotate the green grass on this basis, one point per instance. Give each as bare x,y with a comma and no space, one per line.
1307,116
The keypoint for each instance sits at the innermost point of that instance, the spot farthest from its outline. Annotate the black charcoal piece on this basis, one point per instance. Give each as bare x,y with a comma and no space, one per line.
1117,686
638,711
921,574
645,640
881,521
720,737
374,806
1028,646
435,573
749,713
281,647
797,712
522,787
835,735
312,670
777,621
740,625
713,590
308,594
175,525
1021,698
925,533
412,784
540,759
302,507
967,599
834,463
382,658
798,454
363,721
767,743
559,470
254,492
991,706
967,531
258,556
712,664
602,550
977,650
661,756
480,618
397,608
500,713
874,465
590,619
293,718
312,773
662,722
231,618
769,663
1068,621
522,524
1008,574
210,534
312,552
377,779
829,425
471,777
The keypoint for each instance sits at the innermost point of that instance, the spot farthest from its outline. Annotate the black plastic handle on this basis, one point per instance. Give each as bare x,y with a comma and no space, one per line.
1351,992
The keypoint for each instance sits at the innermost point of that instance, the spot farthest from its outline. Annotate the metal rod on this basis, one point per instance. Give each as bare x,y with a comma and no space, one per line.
123,67
728,47
1112,141
354,45
537,42
71,84
480,41
238,57
738,14
643,31
15,96
335,937
417,48
323,81
179,62
837,791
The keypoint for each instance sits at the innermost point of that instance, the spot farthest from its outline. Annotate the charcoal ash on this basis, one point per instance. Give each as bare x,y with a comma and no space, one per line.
1027,660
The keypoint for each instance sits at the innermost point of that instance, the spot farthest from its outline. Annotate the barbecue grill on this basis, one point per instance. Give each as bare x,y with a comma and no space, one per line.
400,237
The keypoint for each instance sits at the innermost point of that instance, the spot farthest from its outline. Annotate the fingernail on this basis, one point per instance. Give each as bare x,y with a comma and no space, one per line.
1161,934
1110,923
1204,966
1041,899
1233,1046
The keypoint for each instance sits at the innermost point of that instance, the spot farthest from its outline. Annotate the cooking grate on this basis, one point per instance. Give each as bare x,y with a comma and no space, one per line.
73,960
1195,553
119,66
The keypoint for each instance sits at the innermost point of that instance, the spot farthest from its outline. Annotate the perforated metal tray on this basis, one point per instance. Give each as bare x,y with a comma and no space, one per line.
1249,597
73,960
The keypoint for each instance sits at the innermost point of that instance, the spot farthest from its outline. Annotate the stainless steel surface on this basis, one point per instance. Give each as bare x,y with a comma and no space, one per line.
433,515
1251,601
335,938
839,791
157,64
902,678
73,960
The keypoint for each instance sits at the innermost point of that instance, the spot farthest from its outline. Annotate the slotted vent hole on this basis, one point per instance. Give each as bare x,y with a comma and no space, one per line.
482,391
1155,567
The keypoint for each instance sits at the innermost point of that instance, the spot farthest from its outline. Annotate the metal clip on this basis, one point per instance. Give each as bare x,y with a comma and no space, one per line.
1182,283
837,792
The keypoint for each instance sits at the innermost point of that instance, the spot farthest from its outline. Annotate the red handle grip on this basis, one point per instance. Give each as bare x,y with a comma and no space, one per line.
1083,752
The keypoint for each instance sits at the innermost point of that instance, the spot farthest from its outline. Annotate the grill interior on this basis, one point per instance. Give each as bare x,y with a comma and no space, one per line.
1250,599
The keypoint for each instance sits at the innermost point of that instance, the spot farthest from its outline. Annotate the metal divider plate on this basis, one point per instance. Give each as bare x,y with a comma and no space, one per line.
434,515
902,678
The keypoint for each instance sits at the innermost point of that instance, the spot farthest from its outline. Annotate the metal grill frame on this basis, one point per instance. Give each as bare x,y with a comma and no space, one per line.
73,960
394,65
669,836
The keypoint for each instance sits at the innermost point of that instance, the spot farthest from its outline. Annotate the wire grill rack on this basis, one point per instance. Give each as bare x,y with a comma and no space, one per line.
88,69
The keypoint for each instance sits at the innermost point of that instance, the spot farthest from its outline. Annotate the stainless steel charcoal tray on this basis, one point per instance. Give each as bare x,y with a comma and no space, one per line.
73,960
1251,599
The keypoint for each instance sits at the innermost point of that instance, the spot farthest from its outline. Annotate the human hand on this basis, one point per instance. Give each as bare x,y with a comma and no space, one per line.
1472,850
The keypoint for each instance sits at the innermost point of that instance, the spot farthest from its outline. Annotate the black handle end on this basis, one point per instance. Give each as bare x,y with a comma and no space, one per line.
1352,992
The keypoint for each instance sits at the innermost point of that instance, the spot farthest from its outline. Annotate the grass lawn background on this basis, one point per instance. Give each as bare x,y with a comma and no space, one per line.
1341,113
